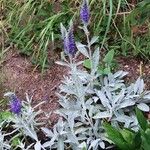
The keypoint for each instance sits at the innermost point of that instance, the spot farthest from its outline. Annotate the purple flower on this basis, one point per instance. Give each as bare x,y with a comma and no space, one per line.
15,105
84,12
69,42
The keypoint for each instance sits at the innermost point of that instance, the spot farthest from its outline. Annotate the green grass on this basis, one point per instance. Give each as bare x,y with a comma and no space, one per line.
35,26
136,44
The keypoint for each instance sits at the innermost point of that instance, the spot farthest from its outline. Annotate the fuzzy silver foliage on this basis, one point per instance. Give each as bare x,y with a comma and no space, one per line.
4,144
87,99
26,124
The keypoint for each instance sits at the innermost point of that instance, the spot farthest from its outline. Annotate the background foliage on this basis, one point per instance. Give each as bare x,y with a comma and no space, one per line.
33,26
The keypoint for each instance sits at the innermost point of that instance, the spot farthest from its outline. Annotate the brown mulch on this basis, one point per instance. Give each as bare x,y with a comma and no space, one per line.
135,68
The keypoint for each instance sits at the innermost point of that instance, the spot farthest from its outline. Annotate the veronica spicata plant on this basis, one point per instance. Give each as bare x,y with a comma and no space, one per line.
24,121
87,99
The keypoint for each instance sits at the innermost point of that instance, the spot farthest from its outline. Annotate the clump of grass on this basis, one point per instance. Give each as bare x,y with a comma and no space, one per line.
3,31
35,25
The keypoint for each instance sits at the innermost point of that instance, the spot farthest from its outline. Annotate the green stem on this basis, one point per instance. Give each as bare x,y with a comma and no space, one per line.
108,23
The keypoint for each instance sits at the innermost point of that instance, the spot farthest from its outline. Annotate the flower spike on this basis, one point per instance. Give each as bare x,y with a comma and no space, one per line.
84,12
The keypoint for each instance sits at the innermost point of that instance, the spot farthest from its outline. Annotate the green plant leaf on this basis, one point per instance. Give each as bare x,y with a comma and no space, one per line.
146,139
107,71
109,57
87,63
104,71
15,141
141,119
133,139
116,136
100,69
137,140
127,135
5,115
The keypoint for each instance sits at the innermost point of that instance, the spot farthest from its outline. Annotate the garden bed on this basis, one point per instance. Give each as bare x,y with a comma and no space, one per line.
19,75
79,97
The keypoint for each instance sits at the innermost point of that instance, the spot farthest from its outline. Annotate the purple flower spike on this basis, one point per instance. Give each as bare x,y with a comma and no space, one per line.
68,40
15,105
71,43
84,12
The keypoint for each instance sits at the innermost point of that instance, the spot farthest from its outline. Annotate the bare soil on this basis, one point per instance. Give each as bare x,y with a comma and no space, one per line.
135,68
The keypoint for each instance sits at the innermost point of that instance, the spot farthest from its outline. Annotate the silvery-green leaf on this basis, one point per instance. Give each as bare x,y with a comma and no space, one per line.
63,31
95,60
89,102
62,54
124,119
108,93
93,40
126,103
120,96
85,29
91,110
82,145
95,98
103,99
80,27
117,74
136,85
139,86
71,138
60,144
120,74
82,137
143,107
47,144
47,132
29,131
71,118
94,144
62,63
82,49
51,142
102,145
100,115
80,130
147,96
9,94
79,63
77,124
37,146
